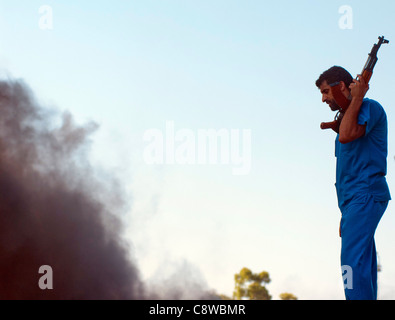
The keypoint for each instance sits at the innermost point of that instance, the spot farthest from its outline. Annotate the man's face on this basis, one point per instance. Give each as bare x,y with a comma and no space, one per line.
328,97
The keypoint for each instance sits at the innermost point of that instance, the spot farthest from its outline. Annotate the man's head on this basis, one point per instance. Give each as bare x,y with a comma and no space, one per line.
332,75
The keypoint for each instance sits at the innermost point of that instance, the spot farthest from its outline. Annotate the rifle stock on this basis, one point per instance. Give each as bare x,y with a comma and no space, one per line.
330,125
335,124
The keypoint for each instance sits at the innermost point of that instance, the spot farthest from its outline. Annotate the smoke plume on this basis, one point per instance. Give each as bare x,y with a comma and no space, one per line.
54,210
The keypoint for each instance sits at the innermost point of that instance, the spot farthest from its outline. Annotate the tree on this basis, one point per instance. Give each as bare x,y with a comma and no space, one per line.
251,286
287,296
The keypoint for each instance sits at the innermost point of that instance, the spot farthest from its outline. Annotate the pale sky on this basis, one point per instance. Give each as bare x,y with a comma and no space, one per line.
135,66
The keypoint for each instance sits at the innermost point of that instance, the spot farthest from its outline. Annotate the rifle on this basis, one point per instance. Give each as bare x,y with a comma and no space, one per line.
343,101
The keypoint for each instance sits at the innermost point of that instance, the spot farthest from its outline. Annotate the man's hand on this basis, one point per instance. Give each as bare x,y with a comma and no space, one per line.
349,129
359,87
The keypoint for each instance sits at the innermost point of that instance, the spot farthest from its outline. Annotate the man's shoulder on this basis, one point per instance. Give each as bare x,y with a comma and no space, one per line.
371,102
372,106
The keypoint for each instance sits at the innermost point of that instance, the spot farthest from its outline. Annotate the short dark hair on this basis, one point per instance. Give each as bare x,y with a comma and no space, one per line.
335,74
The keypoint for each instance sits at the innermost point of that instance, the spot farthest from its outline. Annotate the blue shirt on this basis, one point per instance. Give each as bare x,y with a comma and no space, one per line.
361,164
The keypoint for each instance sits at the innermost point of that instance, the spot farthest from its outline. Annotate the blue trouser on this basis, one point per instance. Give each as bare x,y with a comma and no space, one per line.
358,253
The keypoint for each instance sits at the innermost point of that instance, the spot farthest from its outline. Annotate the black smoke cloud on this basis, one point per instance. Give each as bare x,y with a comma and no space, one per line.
54,210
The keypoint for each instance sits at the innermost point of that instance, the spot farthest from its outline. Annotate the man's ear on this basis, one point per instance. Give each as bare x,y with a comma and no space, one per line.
344,89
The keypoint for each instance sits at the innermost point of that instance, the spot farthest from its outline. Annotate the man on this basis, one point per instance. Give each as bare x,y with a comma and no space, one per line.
362,190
